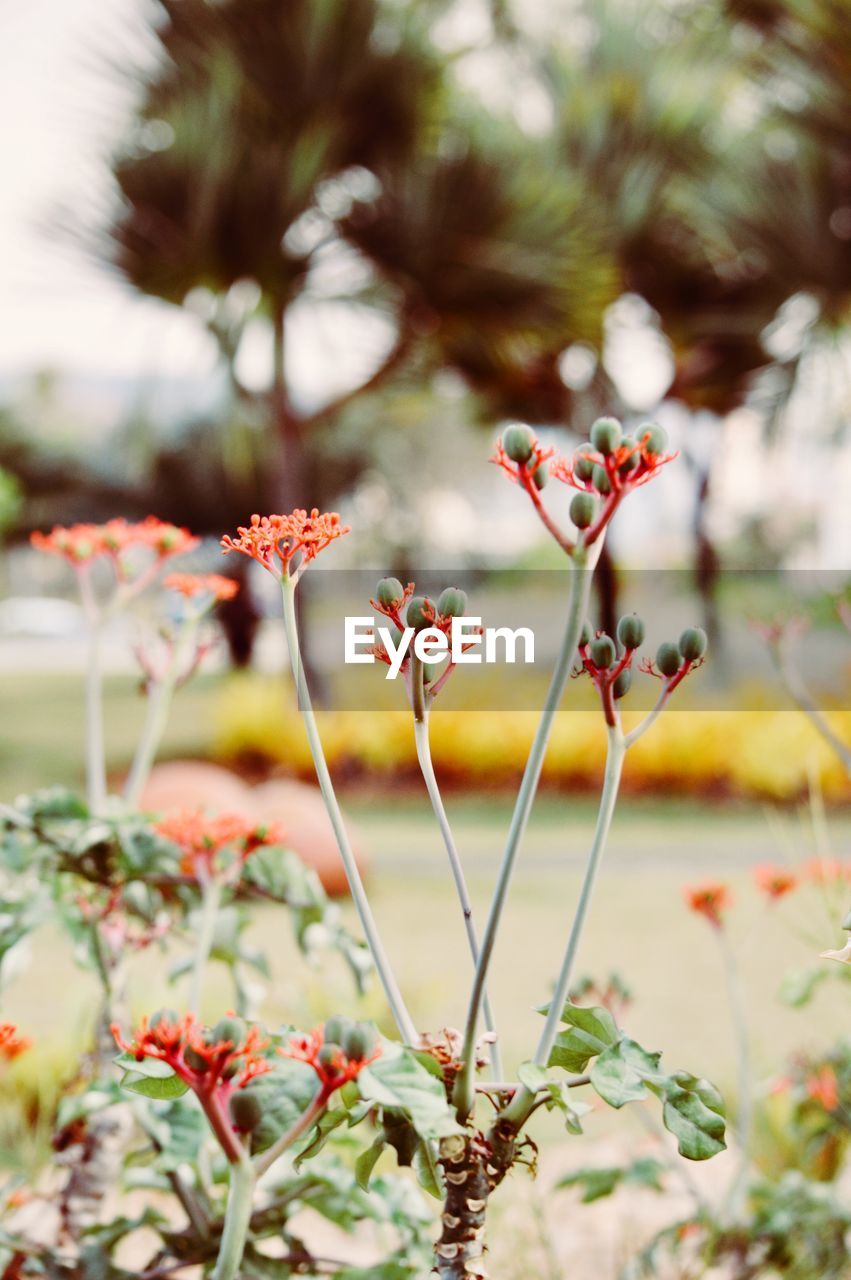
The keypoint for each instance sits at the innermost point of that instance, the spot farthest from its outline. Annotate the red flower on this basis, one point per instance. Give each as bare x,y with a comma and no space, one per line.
334,1069
11,1044
710,900
275,541
203,839
81,543
822,1087
191,585
209,1066
773,881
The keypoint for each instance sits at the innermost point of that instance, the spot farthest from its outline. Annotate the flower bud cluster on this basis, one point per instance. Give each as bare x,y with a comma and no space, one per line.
337,1051
413,613
609,662
216,846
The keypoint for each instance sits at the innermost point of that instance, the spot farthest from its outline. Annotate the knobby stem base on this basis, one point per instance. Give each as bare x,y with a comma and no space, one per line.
237,1219
402,1018
521,1105
580,588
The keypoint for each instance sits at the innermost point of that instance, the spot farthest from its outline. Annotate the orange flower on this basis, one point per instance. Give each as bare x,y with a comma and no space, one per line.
822,1087
81,543
710,900
824,870
334,1069
196,584
202,839
773,881
208,1066
275,541
11,1044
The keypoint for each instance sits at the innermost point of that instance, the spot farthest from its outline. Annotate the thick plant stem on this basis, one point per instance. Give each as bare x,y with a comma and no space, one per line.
403,1019
580,587
523,1101
237,1219
744,1125
156,716
211,900
421,738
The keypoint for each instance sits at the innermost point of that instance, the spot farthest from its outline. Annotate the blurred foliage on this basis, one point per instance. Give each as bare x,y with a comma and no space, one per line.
771,754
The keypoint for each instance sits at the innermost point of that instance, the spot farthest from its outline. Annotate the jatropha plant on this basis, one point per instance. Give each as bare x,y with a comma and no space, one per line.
245,1123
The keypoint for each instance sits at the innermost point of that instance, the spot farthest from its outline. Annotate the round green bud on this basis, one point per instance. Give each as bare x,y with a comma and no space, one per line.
232,1029
654,438
420,613
693,644
389,592
622,683
606,435
541,477
603,652
336,1029
583,509
600,479
328,1054
245,1111
452,602
583,466
359,1043
668,659
232,1069
167,1017
195,1061
518,442
586,635
631,631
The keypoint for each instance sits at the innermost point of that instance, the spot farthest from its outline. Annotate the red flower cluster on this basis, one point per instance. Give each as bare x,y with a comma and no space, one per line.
627,467
710,900
191,585
275,541
202,839
81,543
208,1065
12,1045
522,473
774,882
331,1064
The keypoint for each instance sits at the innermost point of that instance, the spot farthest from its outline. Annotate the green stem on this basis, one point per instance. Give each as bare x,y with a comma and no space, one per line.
156,717
744,1118
237,1219
394,997
211,900
519,1107
580,587
292,1135
421,738
95,752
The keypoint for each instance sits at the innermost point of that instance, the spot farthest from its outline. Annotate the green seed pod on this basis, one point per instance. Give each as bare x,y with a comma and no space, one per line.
583,466
518,442
583,509
631,631
586,635
541,477
168,1017
656,440
693,643
420,613
452,602
432,671
336,1029
389,592
328,1054
195,1061
245,1110
359,1043
600,479
232,1069
232,1029
606,435
622,683
668,659
603,652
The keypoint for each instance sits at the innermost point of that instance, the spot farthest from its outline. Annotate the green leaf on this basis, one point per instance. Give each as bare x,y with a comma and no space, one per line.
367,1161
163,1088
534,1077
694,1114
558,1095
624,1071
154,1068
592,1031
399,1081
425,1167
285,1093
598,1183
799,987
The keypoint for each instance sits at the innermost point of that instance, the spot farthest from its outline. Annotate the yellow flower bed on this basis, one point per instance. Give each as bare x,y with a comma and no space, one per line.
766,753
